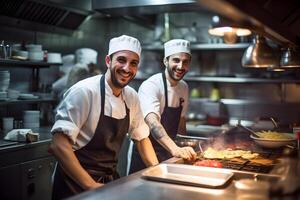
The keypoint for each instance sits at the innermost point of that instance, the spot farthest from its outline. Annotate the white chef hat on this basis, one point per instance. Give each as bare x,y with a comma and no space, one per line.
86,56
177,46
124,42
68,62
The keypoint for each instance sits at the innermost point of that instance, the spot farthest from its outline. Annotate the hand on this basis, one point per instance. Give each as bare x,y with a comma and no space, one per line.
95,185
186,153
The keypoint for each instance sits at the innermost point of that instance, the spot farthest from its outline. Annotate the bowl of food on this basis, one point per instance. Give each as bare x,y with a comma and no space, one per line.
273,139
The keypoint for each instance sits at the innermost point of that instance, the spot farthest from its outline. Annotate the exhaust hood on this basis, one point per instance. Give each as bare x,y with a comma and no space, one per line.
143,11
44,16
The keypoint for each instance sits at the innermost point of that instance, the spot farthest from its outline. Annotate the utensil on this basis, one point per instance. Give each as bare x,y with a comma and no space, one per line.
249,130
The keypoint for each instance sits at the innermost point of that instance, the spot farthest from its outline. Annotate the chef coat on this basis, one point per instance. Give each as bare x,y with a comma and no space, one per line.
78,114
152,98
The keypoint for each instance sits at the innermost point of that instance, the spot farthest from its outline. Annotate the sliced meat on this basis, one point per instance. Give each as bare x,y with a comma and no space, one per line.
208,163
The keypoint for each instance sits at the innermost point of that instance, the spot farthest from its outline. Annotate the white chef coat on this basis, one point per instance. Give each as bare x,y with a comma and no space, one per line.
78,114
152,95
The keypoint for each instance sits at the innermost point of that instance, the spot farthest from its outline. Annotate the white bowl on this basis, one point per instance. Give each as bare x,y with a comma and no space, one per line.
274,143
54,58
36,55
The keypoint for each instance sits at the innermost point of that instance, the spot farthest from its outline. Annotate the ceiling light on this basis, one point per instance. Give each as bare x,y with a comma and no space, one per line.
219,27
290,58
260,55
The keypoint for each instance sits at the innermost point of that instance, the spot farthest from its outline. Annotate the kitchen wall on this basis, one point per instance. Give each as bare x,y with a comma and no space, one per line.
96,32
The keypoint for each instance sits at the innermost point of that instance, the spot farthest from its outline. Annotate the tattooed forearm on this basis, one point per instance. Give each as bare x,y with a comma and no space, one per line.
157,130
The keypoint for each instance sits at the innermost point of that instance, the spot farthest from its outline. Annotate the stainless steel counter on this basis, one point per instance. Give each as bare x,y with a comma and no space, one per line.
18,152
135,187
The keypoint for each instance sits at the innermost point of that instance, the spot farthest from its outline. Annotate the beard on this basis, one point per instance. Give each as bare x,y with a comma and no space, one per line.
115,81
173,74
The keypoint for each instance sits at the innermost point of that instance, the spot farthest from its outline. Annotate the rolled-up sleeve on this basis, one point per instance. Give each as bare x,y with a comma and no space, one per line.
72,113
138,129
150,98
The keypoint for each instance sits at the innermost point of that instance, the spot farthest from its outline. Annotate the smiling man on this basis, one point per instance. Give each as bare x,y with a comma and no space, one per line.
164,102
92,121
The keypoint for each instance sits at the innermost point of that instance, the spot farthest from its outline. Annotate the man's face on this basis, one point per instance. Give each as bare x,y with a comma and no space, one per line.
178,65
123,67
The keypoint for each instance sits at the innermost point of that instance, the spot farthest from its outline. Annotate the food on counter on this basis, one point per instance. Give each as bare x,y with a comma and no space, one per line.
262,161
208,163
211,153
273,135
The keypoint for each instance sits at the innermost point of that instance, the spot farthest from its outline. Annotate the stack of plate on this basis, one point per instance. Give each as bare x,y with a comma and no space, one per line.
3,96
4,80
31,118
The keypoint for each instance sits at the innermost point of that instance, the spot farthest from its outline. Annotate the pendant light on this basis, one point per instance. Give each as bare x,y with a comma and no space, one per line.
260,55
290,58
227,29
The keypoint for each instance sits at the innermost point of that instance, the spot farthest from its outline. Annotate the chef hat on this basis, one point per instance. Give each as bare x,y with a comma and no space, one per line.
68,62
86,56
177,46
124,42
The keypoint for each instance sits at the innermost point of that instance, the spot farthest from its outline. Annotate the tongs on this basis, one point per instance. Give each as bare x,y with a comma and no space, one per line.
249,130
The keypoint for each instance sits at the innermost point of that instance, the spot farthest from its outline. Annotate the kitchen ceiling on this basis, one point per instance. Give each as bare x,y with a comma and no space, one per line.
144,11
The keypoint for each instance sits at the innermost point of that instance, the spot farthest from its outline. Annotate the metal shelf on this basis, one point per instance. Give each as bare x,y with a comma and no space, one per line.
229,79
26,63
216,46
33,101
239,80
242,101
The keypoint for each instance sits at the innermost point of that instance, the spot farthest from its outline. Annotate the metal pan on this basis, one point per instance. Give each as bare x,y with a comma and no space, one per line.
189,175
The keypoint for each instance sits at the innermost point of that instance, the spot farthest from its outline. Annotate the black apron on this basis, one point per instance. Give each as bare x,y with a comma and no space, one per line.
99,157
170,121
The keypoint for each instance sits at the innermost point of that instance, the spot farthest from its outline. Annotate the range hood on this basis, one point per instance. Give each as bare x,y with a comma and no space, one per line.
143,11
44,15
278,20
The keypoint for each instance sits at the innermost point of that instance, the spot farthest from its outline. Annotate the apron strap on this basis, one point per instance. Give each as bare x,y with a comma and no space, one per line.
165,88
102,92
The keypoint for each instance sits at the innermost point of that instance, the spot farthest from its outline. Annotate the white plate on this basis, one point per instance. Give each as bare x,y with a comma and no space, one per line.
27,96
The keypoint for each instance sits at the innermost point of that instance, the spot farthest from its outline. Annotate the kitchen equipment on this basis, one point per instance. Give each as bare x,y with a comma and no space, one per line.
259,54
290,58
189,175
274,143
187,142
249,130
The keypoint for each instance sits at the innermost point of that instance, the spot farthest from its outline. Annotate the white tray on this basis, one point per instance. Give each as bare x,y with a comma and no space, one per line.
189,175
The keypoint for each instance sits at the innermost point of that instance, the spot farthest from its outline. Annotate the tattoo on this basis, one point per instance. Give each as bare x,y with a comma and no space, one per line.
157,130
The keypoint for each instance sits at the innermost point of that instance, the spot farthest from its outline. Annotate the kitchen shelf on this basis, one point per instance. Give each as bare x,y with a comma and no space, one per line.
216,46
32,101
26,63
228,79
239,80
242,101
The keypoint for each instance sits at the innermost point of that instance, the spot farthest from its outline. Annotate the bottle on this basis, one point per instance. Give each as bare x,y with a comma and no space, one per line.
215,93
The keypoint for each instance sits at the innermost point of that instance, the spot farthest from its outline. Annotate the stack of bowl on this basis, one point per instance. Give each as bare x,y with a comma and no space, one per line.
4,80
3,95
31,119
54,58
35,52
13,94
